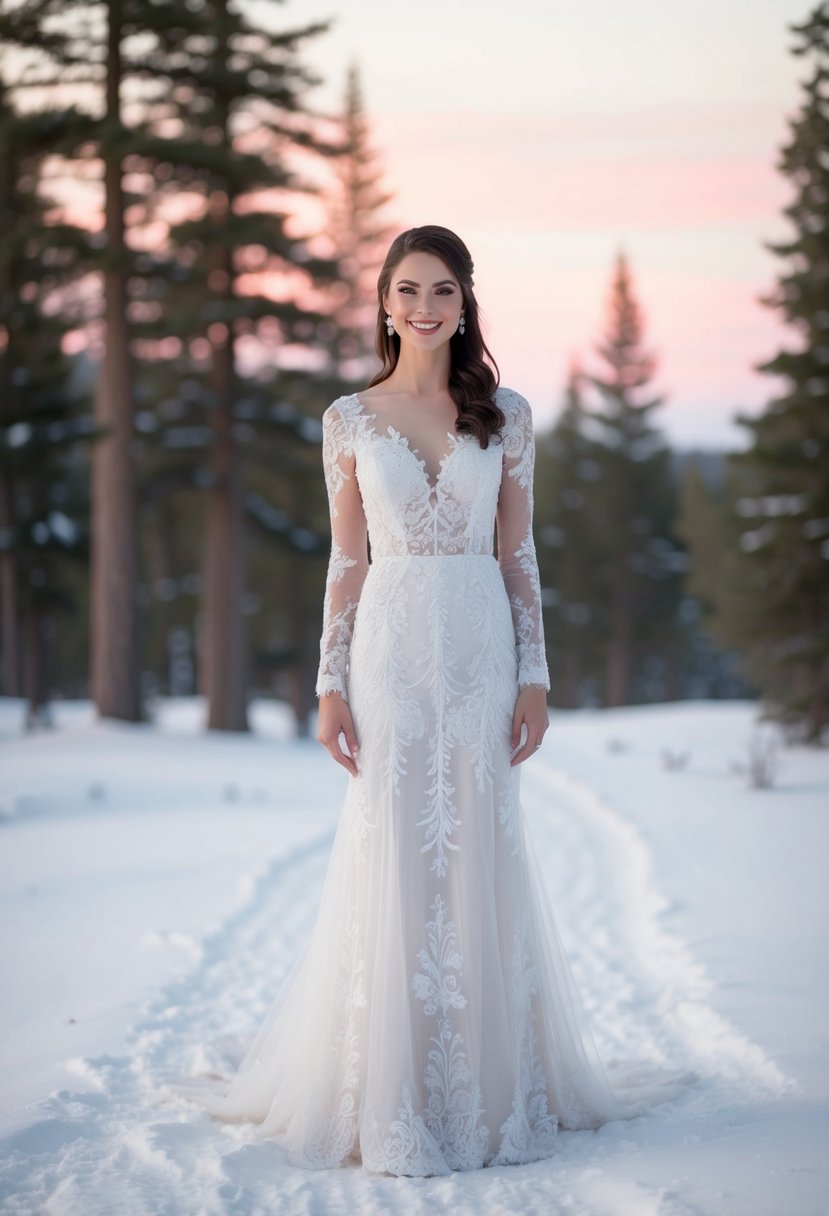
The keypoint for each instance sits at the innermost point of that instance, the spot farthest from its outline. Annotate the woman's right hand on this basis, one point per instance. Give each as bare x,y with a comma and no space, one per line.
334,717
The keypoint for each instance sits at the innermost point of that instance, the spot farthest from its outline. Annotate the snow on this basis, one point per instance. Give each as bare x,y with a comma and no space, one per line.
157,882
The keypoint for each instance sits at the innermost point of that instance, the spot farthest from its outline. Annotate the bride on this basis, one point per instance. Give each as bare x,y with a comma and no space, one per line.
431,1022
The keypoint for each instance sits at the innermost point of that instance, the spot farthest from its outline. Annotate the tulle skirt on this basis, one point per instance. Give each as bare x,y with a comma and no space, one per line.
431,1023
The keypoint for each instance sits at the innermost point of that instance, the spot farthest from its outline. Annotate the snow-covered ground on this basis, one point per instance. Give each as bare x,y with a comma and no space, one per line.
157,881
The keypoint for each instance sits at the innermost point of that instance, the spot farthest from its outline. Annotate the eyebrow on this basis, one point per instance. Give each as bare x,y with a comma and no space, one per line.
451,282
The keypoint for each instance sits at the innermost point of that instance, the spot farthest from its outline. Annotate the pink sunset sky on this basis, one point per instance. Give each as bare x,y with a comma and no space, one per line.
552,136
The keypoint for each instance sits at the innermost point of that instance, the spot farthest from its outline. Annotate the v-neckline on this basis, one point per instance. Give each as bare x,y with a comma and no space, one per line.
419,460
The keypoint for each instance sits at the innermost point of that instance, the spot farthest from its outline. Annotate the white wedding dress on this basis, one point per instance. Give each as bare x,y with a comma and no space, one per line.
431,1022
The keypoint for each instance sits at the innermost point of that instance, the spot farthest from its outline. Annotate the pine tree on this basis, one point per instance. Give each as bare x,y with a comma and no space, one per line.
566,471
356,234
43,420
639,562
289,542
775,606
711,537
216,112
83,43
227,252
359,237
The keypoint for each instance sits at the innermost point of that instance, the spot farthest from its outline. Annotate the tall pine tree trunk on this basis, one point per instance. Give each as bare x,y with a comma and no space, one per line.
619,643
114,623
816,700
222,637
9,612
9,609
36,680
818,704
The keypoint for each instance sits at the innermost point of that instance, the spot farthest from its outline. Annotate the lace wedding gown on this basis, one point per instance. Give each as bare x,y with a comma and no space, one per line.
431,1023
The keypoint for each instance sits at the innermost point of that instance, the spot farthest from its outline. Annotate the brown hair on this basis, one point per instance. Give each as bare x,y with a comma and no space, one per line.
472,383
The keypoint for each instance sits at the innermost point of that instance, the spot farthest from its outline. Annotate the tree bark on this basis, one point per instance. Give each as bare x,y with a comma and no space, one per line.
9,612
10,680
37,710
114,625
222,636
618,655
222,639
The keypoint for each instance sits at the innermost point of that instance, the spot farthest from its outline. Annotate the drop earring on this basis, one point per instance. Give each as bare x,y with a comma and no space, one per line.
389,325
462,325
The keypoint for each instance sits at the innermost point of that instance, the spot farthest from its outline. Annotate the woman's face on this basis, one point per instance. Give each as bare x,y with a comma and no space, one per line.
424,299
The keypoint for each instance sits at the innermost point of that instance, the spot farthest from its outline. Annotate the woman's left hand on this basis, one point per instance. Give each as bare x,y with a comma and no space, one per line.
530,711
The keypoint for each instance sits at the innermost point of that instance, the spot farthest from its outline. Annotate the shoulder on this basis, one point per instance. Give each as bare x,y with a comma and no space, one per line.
343,409
511,402
518,427
337,421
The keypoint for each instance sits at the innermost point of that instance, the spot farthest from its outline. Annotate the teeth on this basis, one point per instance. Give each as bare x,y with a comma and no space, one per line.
424,324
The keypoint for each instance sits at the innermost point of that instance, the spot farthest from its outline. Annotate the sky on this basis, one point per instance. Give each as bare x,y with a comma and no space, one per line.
553,137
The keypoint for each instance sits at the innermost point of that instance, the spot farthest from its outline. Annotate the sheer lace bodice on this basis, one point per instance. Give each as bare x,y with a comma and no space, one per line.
379,491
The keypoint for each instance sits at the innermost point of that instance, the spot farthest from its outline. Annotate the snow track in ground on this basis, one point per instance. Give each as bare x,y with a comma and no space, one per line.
111,1147
646,996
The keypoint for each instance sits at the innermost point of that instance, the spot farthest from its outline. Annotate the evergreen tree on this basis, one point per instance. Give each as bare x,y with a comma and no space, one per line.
565,522
233,246
711,536
639,563
43,421
216,116
287,509
65,41
773,602
359,238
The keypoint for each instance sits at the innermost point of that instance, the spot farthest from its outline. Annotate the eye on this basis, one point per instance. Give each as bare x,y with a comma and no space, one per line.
442,291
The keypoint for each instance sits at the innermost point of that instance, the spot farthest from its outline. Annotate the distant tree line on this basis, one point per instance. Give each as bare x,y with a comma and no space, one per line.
621,625
706,575
759,542
188,254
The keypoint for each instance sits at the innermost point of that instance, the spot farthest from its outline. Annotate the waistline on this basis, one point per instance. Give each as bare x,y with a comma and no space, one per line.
431,557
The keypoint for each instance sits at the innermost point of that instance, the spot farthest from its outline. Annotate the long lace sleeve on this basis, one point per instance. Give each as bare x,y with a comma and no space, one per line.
516,548
348,564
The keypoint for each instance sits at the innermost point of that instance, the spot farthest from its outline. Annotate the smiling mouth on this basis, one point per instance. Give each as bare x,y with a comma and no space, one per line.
425,329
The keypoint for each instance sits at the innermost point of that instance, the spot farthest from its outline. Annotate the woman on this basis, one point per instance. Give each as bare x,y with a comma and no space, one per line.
431,1024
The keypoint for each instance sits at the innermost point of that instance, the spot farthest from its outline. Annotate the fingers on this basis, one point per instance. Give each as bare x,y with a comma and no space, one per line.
340,756
345,761
350,738
517,719
349,762
330,739
526,751
535,734
330,736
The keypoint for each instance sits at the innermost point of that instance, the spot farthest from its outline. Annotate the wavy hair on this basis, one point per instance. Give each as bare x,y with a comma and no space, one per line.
472,382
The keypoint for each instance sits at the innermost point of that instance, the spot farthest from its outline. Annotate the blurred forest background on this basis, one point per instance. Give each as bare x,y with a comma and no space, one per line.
188,260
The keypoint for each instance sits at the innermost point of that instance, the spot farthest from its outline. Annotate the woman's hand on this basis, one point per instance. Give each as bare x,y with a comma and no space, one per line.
530,711
335,717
